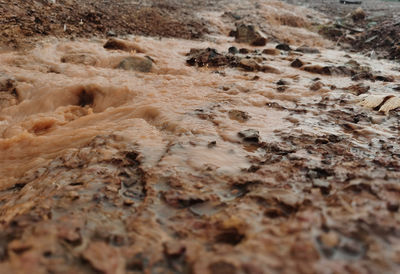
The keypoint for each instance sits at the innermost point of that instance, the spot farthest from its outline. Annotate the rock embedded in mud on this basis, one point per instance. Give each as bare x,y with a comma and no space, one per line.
250,135
249,34
358,89
317,69
233,50
210,57
271,51
249,64
118,44
297,63
282,88
316,86
7,83
238,115
283,82
383,78
305,49
136,63
284,47
8,94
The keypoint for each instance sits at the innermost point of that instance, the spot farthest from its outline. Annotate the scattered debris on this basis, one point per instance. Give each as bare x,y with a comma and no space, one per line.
209,57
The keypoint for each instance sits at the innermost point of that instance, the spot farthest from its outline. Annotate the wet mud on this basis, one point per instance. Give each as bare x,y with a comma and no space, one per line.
148,155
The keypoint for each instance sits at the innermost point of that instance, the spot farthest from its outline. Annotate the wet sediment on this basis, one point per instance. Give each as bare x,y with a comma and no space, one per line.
194,157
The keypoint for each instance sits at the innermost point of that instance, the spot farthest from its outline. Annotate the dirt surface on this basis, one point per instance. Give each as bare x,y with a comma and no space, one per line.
241,142
377,30
20,19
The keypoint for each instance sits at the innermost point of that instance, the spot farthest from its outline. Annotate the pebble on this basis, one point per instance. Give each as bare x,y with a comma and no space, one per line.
305,49
284,47
316,86
250,135
297,63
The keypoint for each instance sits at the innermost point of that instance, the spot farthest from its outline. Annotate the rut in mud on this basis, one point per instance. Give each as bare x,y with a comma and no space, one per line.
147,155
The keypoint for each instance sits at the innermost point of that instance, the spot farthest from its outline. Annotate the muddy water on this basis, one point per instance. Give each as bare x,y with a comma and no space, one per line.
158,107
93,157
152,109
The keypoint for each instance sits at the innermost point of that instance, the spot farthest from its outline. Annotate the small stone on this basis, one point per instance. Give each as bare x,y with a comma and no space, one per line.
284,47
128,202
111,33
118,44
249,34
244,51
316,86
384,78
392,206
297,63
281,88
271,51
136,63
7,83
250,135
208,57
112,188
283,82
269,69
233,50
329,239
359,89
249,64
259,42
212,144
305,49
318,69
238,115
74,195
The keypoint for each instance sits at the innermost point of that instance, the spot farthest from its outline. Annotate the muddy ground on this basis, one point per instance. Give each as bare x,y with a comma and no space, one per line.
378,28
21,20
199,144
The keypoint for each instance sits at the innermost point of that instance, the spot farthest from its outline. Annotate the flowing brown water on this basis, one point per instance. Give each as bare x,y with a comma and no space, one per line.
78,121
